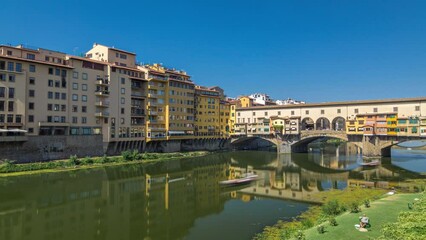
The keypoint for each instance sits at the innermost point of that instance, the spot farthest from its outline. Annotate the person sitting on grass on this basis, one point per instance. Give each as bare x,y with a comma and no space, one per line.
363,221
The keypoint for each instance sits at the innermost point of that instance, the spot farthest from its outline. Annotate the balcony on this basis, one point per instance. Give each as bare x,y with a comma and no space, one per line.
153,113
152,104
102,82
137,113
157,77
102,104
138,94
156,128
102,114
102,93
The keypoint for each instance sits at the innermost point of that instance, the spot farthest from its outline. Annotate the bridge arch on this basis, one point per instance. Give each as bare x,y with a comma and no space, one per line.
322,123
338,124
307,124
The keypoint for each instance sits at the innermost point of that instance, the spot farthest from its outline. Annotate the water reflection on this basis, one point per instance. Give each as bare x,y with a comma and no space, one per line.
182,199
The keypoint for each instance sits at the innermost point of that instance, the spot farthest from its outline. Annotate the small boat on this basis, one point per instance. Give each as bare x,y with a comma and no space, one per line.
372,163
239,181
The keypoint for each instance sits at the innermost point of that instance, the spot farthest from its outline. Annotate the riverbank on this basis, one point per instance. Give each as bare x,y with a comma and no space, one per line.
9,168
335,203
382,211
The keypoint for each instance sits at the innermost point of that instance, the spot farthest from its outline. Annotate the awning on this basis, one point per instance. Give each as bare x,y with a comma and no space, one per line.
13,130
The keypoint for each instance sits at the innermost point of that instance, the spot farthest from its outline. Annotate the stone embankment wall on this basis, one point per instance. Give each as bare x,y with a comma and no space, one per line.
45,148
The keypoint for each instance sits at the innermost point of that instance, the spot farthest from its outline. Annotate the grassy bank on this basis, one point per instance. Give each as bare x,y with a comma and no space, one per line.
10,168
335,203
381,212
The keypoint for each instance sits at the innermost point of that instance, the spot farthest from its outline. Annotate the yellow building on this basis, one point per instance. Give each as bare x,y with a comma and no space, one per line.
225,121
391,124
207,113
245,101
232,115
355,125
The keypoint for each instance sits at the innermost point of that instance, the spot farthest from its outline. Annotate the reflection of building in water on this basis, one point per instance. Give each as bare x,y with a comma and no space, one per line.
129,202
335,157
65,211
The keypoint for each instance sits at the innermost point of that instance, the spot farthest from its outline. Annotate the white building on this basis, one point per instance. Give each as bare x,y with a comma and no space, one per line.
260,98
288,101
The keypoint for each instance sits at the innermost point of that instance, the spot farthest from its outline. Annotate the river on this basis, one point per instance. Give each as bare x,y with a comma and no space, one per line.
182,199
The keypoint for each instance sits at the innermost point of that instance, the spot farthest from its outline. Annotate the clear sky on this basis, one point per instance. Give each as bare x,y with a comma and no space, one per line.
316,51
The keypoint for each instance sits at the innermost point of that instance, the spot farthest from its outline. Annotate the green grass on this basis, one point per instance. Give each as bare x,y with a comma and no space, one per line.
381,211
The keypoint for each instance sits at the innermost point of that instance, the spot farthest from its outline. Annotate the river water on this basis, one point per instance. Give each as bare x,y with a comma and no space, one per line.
182,199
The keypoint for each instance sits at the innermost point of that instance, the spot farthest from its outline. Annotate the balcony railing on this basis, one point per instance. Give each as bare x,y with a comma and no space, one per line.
102,104
101,114
102,93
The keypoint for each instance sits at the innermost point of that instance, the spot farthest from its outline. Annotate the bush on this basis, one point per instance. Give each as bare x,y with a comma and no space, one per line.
300,235
367,203
87,161
355,208
321,229
8,166
331,208
127,156
332,221
73,161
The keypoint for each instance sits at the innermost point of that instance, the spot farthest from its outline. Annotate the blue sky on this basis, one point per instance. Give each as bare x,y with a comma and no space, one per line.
317,51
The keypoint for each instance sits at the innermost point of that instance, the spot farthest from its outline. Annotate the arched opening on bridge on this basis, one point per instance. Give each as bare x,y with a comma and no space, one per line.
338,124
322,124
307,124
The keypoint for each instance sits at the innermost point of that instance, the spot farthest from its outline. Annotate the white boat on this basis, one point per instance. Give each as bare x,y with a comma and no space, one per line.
239,181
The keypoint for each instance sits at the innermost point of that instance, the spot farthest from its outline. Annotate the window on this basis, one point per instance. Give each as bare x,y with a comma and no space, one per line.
292,112
63,96
56,107
30,118
84,98
31,105
2,106
32,81
123,90
11,78
56,119
57,84
58,72
84,87
254,113
2,77
10,66
83,120
63,119
417,108
395,109
74,108
10,106
1,118
9,52
18,118
122,110
84,76
2,92
279,112
339,111
123,100
307,112
123,80
50,71
84,109
266,114
11,92
2,65
19,67
75,75
50,83
375,110
46,58
32,68
49,118
57,95
30,56
75,86
31,93
75,97
49,107
10,118
74,119
322,111
122,120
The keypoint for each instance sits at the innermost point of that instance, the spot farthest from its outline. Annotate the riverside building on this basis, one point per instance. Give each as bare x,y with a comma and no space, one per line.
106,94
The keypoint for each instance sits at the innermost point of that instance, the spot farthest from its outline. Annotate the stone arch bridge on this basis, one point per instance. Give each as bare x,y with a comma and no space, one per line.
370,146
